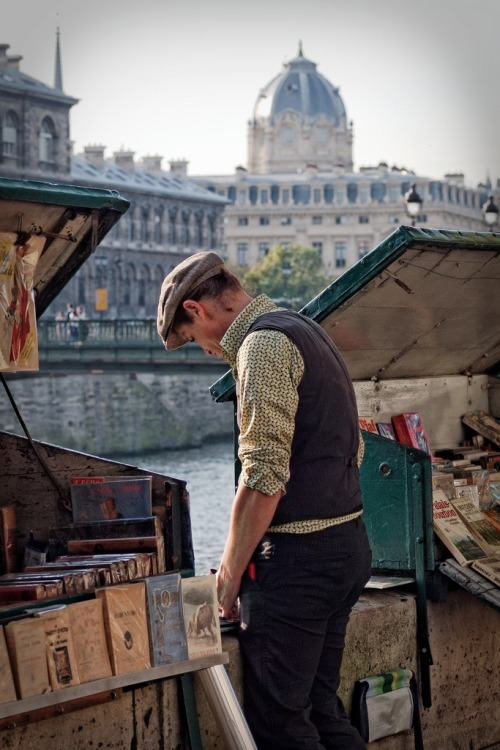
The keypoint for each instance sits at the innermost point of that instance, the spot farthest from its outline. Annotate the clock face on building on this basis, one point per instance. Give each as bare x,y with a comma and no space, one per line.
288,135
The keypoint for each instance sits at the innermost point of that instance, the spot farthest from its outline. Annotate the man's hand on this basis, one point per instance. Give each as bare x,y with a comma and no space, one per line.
227,592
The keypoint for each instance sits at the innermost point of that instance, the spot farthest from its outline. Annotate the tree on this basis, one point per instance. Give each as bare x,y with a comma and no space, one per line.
290,274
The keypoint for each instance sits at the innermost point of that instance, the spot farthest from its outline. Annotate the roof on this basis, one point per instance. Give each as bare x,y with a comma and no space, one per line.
113,176
13,79
300,88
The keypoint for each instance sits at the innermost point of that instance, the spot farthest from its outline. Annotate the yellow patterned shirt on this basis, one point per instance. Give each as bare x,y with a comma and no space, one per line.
267,369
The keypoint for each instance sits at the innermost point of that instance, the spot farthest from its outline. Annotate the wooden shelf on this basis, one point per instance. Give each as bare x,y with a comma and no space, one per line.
106,689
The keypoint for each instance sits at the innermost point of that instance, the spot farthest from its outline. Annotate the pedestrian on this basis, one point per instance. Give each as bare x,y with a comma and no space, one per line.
297,553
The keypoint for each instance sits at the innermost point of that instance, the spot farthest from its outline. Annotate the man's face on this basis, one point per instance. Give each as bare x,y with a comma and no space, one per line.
205,332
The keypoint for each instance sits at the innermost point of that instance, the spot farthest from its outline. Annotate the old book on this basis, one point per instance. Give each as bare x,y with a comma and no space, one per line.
386,430
121,545
7,688
89,640
104,498
367,423
28,658
85,572
125,621
12,593
410,431
443,481
451,530
61,658
201,616
166,621
489,567
483,532
9,538
484,424
54,584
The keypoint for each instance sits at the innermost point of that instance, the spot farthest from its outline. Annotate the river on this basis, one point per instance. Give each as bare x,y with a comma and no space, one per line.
209,473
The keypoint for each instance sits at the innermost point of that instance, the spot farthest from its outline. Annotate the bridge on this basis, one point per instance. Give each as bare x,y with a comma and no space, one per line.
116,345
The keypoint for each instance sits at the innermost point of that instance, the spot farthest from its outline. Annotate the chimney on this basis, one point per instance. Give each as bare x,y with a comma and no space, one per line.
125,160
14,60
4,60
178,168
152,165
95,155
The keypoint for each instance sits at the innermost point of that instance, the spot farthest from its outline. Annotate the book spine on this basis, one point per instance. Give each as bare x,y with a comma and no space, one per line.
9,538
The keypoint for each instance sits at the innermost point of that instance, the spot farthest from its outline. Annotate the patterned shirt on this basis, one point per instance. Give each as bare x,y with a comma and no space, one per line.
267,369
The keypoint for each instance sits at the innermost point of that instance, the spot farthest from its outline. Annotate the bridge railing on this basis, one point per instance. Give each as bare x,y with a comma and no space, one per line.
115,333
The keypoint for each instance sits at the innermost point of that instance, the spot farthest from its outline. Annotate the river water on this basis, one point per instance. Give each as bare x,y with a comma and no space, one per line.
209,473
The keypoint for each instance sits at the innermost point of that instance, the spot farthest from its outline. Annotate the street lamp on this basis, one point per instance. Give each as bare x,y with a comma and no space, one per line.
413,203
490,212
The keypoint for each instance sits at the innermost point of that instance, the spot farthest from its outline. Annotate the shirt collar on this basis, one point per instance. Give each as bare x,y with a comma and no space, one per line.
231,341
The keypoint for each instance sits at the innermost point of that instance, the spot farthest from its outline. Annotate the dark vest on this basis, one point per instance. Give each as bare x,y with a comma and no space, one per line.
324,477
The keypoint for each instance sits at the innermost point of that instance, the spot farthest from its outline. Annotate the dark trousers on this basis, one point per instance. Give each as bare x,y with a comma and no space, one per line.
292,632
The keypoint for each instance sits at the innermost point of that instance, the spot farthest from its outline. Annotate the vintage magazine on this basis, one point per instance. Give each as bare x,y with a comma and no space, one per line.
451,530
89,640
61,659
367,423
125,622
410,431
201,616
28,659
19,254
99,498
166,621
481,529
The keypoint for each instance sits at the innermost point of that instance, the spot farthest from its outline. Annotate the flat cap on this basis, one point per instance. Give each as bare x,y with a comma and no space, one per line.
176,287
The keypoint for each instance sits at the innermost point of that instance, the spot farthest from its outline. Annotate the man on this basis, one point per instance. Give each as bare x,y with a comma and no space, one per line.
297,553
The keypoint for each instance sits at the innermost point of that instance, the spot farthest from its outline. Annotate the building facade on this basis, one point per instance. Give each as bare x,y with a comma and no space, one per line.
169,217
300,187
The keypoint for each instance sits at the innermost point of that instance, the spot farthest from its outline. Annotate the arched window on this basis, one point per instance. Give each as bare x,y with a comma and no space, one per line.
46,140
9,135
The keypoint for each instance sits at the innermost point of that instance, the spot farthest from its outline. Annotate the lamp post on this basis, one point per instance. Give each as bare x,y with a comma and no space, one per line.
490,212
413,203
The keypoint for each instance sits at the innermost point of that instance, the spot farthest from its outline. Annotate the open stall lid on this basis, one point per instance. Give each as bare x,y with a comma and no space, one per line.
423,303
70,222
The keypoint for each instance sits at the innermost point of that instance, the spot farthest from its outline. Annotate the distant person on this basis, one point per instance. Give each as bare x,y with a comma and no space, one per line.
297,552
60,328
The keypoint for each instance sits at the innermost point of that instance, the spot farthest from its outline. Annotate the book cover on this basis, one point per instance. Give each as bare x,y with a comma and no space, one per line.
25,591
489,567
483,423
89,640
125,622
126,497
26,645
483,532
450,529
367,423
7,687
201,616
443,481
410,431
493,517
166,621
386,430
61,658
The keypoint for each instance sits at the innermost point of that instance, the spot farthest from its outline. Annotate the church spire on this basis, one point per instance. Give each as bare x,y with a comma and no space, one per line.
58,68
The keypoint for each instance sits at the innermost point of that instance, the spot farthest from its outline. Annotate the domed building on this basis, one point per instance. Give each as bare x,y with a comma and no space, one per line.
299,118
300,185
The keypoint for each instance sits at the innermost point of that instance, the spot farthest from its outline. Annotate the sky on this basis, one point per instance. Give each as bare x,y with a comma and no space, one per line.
420,79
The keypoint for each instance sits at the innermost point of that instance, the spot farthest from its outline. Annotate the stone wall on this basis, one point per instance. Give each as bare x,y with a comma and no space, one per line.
106,414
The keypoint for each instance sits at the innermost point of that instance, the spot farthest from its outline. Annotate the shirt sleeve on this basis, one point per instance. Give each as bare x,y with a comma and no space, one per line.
270,368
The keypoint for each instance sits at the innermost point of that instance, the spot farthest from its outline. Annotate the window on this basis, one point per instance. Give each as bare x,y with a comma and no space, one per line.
286,221
242,221
364,219
264,248
46,140
231,193
319,247
301,194
275,193
317,220
317,195
340,254
172,227
264,221
254,194
185,234
363,248
394,219
144,224
328,192
157,228
264,196
242,252
9,135
342,219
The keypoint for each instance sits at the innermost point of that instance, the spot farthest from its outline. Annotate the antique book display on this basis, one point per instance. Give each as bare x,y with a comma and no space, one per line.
89,640
166,622
28,658
478,525
201,616
450,529
61,659
7,687
124,610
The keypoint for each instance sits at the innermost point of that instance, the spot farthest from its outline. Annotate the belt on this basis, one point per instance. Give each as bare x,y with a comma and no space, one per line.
314,524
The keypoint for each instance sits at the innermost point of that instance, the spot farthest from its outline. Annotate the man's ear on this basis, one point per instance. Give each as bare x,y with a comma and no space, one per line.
193,307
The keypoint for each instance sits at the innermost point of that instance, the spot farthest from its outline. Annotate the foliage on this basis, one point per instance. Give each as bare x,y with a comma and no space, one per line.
290,274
